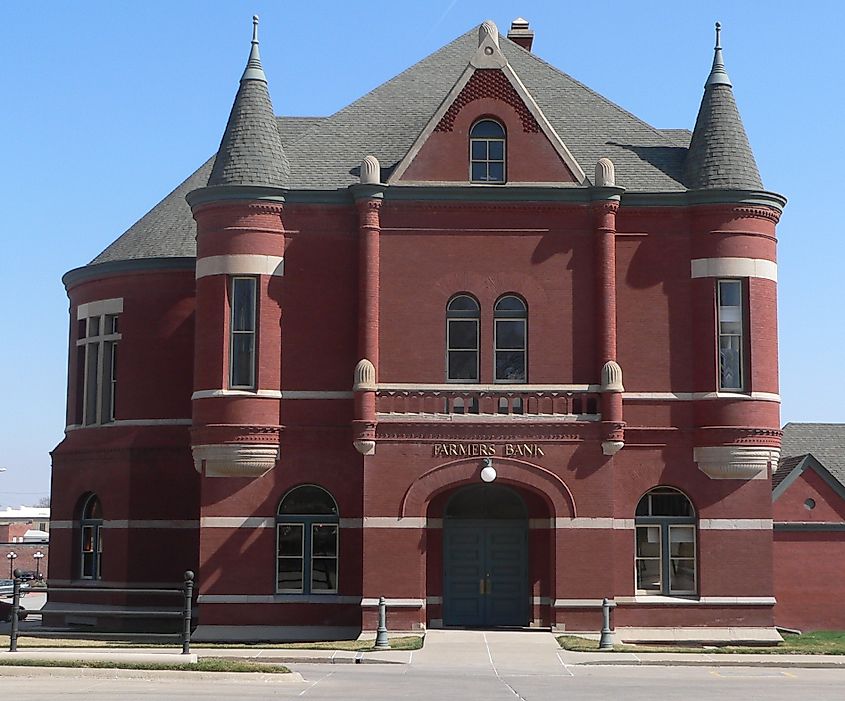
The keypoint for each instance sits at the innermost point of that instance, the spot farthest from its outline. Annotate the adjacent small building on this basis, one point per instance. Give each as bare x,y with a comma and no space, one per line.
809,527
481,342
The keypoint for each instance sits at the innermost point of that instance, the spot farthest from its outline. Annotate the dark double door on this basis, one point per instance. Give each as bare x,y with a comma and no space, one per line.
485,573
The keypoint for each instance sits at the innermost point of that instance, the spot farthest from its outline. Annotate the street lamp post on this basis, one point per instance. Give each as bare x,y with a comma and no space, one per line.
38,557
11,557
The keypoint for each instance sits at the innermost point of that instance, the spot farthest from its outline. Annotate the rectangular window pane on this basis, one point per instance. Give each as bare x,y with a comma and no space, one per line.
648,575
323,540
94,326
682,576
510,334
496,172
463,365
289,574
92,360
463,334
107,384
111,323
479,151
243,352
496,150
80,328
730,293
87,539
88,565
323,574
243,304
648,541
479,172
290,540
510,365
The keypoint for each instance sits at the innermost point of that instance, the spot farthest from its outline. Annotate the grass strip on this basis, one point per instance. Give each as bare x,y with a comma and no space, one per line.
409,642
205,664
817,643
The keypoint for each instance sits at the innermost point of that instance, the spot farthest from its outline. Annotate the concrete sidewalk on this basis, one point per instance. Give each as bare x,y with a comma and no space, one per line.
506,652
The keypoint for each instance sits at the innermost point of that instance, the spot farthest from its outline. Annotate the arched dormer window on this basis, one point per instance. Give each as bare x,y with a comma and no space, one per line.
91,538
487,149
462,321
510,316
307,542
665,540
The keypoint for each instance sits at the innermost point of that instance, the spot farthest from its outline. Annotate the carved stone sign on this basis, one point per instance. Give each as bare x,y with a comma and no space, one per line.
471,450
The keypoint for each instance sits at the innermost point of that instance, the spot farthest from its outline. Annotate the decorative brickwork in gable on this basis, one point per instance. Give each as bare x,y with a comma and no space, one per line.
489,82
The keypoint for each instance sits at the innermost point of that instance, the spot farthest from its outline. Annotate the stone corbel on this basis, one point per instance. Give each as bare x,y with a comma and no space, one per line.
735,461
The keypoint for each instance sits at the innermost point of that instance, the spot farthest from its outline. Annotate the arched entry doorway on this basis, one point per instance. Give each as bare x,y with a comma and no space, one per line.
485,558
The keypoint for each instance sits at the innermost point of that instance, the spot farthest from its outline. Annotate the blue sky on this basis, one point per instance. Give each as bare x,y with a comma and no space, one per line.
109,105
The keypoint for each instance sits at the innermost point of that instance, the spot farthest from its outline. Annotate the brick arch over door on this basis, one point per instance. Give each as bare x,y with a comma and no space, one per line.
510,471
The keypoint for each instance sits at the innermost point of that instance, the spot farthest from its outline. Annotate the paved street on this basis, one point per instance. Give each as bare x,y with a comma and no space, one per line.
463,665
390,682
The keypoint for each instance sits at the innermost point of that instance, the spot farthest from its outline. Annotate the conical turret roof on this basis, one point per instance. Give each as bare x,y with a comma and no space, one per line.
719,155
251,151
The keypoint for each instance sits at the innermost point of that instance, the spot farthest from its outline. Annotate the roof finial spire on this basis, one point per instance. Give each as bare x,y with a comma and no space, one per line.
718,74
254,71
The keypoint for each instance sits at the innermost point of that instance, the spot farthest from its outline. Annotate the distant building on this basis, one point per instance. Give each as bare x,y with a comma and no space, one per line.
24,532
809,527
482,343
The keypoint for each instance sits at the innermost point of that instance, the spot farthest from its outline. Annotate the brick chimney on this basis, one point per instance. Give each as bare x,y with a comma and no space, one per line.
521,34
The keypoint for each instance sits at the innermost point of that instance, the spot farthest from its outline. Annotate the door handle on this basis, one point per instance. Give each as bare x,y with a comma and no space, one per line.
481,586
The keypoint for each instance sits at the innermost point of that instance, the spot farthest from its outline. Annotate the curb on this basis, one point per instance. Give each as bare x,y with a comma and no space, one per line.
774,664
94,673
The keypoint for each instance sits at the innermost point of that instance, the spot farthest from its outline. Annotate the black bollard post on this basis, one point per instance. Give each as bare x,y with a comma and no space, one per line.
16,604
186,613
606,640
381,634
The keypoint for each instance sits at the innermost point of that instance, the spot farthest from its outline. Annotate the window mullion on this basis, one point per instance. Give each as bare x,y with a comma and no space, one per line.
665,559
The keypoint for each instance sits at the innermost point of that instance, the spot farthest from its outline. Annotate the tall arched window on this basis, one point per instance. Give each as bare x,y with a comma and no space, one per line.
462,319
487,142
307,542
665,542
510,316
91,538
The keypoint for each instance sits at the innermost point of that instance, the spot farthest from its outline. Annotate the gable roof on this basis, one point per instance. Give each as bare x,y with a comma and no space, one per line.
324,153
823,442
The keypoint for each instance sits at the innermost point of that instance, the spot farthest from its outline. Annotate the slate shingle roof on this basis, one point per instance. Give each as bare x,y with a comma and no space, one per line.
325,155
719,153
251,151
785,466
826,442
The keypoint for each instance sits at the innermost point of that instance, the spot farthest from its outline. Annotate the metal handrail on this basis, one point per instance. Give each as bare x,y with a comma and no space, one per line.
185,614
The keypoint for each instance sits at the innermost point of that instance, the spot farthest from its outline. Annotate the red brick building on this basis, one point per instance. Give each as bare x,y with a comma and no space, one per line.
482,343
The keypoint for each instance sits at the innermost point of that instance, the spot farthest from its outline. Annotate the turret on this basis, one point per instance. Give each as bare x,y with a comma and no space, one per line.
733,291
240,263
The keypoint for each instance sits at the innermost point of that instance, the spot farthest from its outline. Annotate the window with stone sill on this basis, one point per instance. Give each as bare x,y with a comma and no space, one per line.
96,369
243,302
731,326
487,150
665,544
91,538
307,532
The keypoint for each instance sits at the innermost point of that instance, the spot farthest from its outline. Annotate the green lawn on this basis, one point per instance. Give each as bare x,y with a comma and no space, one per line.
206,664
409,642
819,643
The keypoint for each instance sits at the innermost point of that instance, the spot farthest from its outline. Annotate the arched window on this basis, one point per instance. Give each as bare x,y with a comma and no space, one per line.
510,316
91,538
462,319
487,152
307,542
665,542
